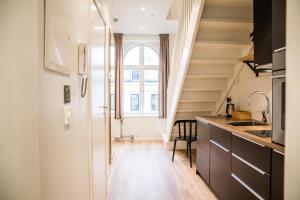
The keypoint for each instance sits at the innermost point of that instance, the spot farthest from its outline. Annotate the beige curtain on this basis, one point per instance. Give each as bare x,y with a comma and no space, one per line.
118,38
163,74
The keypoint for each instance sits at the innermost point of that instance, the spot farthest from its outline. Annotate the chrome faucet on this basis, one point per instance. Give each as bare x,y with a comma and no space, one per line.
264,112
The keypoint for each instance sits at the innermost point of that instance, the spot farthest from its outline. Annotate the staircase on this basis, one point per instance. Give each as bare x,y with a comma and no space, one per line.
222,37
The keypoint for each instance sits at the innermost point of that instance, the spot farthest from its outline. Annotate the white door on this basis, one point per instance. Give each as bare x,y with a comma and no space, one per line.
98,105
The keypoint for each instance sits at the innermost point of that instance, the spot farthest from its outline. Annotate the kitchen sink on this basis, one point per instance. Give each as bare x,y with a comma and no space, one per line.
246,123
261,133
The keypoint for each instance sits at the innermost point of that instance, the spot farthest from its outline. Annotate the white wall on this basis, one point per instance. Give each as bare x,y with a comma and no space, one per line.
245,85
64,151
292,159
21,56
143,128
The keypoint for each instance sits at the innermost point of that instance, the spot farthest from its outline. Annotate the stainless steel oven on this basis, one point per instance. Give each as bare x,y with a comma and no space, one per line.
278,106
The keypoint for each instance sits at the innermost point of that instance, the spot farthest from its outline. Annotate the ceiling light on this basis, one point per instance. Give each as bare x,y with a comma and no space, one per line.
141,28
143,8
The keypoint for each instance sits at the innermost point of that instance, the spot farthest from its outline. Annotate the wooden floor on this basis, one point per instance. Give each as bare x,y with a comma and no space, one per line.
144,171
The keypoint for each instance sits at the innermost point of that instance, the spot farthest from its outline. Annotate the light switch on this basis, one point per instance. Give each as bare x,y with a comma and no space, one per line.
68,115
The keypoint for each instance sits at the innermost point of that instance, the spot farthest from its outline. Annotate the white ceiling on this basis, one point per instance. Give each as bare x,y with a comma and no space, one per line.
133,20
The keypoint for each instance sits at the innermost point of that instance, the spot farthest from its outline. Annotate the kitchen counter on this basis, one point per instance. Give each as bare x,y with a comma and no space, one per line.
221,122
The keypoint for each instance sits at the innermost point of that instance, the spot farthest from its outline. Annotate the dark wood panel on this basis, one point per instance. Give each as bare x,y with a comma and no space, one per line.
238,191
203,150
278,24
262,14
220,170
221,136
258,182
277,176
259,156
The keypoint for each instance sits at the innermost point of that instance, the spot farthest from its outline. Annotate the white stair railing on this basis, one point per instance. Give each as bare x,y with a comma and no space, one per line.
189,18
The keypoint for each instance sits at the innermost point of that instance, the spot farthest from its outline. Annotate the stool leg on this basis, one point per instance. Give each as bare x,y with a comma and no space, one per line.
174,147
187,148
190,154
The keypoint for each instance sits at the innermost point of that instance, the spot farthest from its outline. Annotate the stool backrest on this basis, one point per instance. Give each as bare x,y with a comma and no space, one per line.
187,131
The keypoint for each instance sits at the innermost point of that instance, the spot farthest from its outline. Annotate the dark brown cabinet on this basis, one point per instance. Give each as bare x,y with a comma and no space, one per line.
203,150
237,168
220,162
239,191
278,24
262,15
220,169
277,176
279,34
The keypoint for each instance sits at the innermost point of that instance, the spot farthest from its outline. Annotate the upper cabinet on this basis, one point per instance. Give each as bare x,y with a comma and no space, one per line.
278,24
262,13
278,34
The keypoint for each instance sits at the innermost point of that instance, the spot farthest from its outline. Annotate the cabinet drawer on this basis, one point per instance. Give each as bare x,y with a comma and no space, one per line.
240,191
220,136
203,150
277,176
220,166
254,153
203,131
256,179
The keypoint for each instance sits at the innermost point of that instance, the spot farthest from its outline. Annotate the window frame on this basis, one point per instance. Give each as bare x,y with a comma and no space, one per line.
141,67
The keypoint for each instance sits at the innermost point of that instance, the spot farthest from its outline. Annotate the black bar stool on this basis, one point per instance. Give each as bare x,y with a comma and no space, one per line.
189,138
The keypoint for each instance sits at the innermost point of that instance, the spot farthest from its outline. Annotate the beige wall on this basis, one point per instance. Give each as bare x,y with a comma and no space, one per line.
245,85
143,128
64,151
21,57
40,158
292,162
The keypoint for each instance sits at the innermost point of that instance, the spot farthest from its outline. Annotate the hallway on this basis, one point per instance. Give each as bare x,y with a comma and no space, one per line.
143,170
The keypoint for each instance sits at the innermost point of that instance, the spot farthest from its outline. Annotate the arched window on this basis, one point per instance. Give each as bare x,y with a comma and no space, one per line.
140,81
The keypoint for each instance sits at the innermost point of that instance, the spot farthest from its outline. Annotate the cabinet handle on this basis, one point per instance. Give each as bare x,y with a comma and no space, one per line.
278,152
248,140
220,146
249,164
264,65
278,76
280,49
247,187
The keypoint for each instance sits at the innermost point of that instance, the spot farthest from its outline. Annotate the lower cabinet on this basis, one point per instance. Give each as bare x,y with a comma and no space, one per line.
277,176
237,168
239,190
203,150
220,167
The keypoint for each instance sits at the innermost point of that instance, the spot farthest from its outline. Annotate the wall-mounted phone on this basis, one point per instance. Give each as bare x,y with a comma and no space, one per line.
83,62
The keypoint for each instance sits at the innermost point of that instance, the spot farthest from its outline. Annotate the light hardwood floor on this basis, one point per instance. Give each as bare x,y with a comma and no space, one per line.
144,171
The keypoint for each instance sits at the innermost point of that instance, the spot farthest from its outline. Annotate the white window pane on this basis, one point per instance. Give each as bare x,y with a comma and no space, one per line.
154,102
132,57
150,90
150,56
130,103
134,102
131,75
151,75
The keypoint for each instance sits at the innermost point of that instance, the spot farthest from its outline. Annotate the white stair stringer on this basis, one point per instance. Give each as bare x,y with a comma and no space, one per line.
214,66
